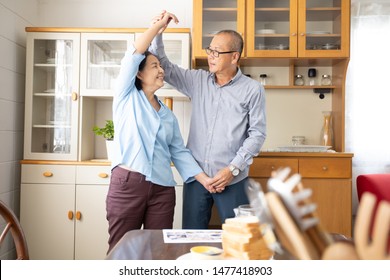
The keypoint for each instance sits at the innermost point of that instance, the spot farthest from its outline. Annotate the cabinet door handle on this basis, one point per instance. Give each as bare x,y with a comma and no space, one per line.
302,34
74,96
78,215
103,175
48,174
324,168
70,215
294,34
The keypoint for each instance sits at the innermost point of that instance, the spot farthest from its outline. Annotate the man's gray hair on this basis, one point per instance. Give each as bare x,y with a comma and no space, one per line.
237,43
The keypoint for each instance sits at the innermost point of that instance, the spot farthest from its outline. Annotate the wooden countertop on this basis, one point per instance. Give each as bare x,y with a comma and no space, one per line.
261,155
304,154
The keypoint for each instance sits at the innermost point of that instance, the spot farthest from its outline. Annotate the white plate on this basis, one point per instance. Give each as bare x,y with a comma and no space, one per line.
318,32
279,47
265,31
186,257
189,256
330,47
304,148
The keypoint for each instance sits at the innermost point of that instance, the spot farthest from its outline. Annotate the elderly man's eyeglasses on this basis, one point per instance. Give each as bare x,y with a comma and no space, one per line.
216,53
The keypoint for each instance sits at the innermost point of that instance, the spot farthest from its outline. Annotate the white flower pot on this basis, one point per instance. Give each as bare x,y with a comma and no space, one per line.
110,149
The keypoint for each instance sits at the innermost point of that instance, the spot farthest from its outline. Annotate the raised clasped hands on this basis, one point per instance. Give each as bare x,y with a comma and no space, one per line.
163,19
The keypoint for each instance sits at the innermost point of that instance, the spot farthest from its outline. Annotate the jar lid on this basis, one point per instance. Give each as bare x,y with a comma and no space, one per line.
263,75
325,76
298,76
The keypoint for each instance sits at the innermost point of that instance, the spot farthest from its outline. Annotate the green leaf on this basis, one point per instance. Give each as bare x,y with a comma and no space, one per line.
107,131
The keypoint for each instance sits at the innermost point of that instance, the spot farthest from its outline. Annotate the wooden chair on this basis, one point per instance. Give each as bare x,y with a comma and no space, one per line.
13,225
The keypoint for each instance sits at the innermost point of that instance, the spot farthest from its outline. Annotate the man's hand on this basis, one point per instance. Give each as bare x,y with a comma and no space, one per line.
163,19
222,179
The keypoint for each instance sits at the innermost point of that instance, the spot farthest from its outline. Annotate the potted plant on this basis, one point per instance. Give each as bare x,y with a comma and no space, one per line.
108,133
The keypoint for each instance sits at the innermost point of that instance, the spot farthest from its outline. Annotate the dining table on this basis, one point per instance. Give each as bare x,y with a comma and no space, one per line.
148,244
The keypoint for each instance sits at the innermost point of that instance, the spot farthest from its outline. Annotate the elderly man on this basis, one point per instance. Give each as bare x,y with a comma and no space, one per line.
227,129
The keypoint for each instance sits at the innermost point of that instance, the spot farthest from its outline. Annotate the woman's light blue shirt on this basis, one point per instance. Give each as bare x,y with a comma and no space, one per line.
146,140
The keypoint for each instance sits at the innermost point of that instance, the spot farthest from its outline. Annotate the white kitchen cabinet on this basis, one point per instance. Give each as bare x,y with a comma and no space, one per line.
63,211
69,87
69,76
91,233
52,86
101,55
177,218
65,172
177,49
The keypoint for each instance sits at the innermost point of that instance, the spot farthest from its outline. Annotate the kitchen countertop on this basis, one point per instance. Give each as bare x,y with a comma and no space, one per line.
304,154
262,154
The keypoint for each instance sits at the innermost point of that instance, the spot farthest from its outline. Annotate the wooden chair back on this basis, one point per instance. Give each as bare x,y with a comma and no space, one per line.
12,225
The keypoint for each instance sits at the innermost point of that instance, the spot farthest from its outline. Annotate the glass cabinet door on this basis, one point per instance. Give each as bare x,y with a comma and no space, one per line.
297,28
216,15
52,96
101,56
323,28
177,49
272,28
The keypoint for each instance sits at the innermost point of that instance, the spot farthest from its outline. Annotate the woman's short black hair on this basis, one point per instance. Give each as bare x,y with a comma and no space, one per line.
141,66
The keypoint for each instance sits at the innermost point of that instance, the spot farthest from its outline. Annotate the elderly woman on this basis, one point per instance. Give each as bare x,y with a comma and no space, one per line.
147,140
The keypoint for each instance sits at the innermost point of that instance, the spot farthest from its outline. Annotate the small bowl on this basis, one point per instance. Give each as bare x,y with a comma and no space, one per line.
206,253
330,47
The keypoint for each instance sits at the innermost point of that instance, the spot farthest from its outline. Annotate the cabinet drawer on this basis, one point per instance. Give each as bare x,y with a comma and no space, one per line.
263,167
325,168
41,173
95,175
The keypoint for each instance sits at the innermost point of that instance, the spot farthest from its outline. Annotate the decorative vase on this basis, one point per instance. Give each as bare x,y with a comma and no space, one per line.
327,130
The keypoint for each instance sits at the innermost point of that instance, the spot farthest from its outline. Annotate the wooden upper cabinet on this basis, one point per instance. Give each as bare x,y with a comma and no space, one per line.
323,28
277,28
298,28
211,16
272,28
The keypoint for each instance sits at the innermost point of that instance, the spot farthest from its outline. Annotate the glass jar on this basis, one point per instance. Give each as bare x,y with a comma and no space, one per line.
298,140
326,80
299,80
263,79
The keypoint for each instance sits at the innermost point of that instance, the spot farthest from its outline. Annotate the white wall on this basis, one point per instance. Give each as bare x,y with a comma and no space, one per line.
111,13
15,15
